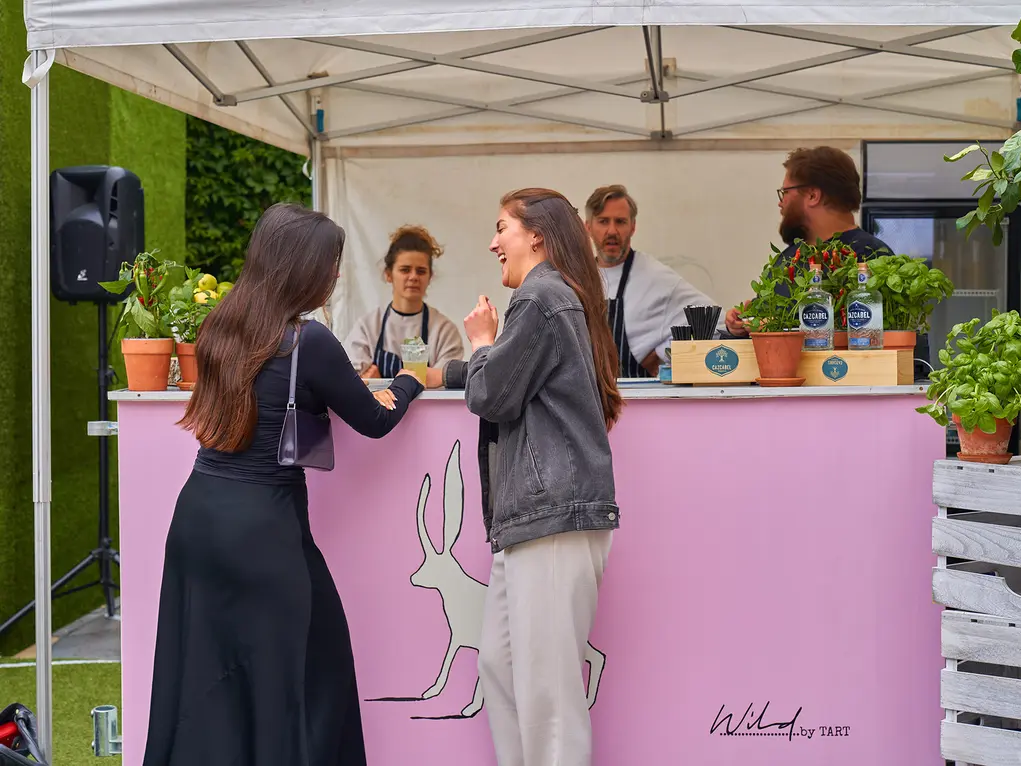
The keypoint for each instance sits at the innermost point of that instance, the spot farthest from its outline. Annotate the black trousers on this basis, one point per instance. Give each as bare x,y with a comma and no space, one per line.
253,663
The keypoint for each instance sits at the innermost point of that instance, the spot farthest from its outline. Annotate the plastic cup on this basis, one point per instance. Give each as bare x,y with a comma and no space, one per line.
416,359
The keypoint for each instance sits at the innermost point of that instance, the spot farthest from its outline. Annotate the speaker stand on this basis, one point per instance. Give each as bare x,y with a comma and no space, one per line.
103,554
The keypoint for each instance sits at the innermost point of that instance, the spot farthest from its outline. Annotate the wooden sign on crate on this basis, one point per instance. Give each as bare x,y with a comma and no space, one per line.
977,539
883,367
713,362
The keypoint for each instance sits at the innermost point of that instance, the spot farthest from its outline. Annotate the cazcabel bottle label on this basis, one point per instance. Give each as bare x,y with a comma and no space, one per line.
858,315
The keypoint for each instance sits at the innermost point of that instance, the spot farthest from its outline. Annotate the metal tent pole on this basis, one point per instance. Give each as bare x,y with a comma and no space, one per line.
37,79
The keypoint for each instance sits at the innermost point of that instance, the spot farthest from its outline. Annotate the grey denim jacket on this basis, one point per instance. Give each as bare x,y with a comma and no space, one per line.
544,454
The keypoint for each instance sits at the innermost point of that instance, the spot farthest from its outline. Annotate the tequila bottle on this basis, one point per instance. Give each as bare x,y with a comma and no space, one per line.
864,314
816,315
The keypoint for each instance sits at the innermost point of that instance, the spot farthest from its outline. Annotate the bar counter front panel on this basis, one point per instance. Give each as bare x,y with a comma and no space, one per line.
767,598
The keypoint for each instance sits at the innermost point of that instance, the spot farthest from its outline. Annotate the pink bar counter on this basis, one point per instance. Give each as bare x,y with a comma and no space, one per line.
768,598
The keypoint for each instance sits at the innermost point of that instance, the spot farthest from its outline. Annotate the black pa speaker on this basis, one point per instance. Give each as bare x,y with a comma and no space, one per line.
97,222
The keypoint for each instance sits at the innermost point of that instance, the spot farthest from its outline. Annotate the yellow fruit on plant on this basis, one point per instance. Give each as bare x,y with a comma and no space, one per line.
224,287
203,296
207,282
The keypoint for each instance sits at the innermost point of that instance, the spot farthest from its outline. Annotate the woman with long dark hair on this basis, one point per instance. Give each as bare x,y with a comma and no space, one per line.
253,659
546,394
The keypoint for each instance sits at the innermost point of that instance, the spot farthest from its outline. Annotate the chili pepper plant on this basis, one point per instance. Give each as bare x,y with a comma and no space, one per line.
147,307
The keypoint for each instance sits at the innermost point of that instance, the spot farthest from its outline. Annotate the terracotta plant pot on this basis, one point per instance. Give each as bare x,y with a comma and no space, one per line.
188,364
899,340
840,339
778,355
980,447
147,361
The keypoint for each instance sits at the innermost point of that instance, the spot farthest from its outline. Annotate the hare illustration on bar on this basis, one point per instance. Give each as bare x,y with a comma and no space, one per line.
463,596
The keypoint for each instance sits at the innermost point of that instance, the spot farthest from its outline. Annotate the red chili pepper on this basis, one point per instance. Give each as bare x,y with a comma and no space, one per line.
846,250
811,260
790,272
140,300
797,255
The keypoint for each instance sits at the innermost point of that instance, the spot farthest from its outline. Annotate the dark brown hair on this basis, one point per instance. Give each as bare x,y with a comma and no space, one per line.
598,199
569,250
413,239
290,269
829,170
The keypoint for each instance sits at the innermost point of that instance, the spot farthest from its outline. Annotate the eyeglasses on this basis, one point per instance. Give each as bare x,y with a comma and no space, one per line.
783,190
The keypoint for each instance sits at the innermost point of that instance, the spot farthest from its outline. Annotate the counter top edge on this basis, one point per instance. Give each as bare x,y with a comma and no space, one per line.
627,392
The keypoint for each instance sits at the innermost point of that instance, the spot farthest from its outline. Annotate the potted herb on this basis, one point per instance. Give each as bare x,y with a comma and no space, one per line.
190,304
146,339
910,290
979,386
773,315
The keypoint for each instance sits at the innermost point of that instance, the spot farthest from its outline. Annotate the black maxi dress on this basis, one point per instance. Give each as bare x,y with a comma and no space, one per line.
253,663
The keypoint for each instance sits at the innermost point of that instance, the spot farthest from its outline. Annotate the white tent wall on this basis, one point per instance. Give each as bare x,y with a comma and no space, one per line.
708,214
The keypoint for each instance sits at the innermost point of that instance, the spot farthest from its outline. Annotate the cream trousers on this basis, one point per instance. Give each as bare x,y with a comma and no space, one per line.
539,609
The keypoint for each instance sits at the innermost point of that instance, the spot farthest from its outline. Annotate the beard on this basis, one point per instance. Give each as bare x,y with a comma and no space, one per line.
612,260
793,226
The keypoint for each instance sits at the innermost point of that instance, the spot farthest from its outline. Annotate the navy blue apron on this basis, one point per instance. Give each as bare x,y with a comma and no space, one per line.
390,364
629,366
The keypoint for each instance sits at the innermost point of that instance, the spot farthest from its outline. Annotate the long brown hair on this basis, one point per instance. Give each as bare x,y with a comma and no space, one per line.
569,250
290,269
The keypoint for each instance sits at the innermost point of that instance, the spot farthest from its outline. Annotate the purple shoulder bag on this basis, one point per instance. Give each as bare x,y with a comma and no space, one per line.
306,440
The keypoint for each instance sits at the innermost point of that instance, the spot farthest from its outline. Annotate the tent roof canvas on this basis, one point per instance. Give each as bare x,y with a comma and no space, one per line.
458,73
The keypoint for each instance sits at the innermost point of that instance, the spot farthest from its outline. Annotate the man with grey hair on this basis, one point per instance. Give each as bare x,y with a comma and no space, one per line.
645,297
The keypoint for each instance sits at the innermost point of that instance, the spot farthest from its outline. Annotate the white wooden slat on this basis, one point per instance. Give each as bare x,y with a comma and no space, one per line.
981,638
977,486
980,744
979,542
985,594
978,693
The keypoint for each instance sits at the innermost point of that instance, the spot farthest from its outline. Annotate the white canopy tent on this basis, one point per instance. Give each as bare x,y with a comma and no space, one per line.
430,108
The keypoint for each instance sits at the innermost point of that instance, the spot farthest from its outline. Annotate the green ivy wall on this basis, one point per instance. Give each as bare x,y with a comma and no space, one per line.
90,123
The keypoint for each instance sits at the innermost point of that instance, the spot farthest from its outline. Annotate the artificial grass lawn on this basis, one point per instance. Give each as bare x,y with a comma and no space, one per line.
76,690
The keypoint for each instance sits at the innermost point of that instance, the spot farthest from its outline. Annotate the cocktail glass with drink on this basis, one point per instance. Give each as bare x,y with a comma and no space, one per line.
415,356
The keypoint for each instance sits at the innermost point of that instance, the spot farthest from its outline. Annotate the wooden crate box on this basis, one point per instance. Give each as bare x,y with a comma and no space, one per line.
713,362
977,538
840,367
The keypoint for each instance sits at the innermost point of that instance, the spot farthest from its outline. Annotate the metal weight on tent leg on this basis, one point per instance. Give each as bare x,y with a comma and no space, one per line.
105,740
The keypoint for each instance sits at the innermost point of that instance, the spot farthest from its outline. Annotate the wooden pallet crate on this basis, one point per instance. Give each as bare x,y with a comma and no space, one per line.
977,537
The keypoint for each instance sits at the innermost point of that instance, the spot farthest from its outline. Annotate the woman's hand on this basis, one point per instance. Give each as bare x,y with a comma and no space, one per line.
481,324
386,397
372,372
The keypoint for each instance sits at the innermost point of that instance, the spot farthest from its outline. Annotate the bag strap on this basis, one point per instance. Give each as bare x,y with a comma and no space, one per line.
294,367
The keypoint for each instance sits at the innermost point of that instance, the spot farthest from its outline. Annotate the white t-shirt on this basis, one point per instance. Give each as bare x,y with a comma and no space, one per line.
444,339
654,301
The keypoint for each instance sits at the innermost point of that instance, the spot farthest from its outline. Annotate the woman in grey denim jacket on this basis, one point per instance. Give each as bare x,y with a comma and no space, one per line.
546,395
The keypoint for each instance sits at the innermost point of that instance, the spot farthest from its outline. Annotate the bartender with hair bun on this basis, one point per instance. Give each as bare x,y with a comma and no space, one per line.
374,345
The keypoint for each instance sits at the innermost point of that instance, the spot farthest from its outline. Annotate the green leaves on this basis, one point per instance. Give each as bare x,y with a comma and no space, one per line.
910,290
963,153
146,306
232,179
980,381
